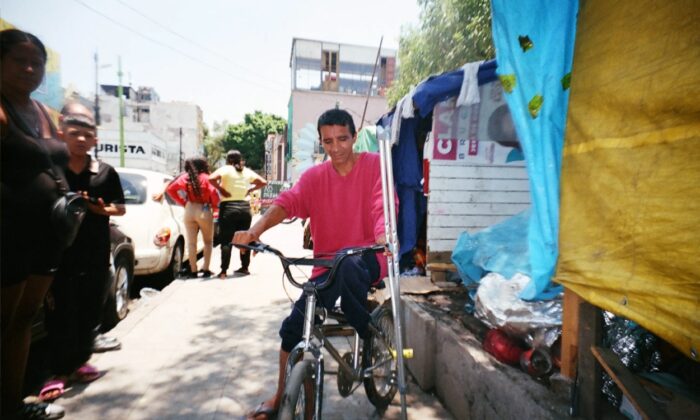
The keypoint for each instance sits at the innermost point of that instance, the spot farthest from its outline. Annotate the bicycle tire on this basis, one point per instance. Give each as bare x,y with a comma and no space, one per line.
380,385
294,399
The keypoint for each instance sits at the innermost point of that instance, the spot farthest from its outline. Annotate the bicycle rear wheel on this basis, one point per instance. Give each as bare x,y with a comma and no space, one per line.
378,362
298,398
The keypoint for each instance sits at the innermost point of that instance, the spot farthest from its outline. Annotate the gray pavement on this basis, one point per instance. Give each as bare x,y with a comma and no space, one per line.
207,349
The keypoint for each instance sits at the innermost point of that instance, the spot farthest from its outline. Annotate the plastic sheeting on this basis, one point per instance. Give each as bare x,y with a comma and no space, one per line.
501,248
366,140
630,198
498,304
534,48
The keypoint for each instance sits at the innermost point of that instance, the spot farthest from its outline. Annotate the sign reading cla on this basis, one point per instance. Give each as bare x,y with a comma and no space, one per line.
445,149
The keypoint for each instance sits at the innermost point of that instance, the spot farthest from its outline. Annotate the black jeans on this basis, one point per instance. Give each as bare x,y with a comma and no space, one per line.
72,320
353,279
233,216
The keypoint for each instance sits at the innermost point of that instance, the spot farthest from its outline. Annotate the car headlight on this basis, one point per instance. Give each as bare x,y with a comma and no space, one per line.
162,238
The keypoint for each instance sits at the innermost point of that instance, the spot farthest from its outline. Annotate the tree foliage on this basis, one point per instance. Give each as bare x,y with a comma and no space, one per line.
213,146
248,137
451,33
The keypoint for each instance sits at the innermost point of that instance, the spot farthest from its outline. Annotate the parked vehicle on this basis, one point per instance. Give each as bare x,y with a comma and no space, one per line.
121,287
155,226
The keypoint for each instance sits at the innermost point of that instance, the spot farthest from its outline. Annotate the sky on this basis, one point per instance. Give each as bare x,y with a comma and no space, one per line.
229,57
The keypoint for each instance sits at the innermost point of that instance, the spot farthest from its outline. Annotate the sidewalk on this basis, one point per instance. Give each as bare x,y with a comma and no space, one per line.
208,349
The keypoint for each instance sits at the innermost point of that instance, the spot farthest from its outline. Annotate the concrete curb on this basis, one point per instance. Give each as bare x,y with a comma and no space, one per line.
147,305
469,381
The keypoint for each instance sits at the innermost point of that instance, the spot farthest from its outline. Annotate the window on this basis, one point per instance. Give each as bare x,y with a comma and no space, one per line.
329,70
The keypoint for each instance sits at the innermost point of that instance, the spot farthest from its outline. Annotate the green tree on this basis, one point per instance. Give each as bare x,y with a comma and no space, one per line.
213,143
249,137
451,33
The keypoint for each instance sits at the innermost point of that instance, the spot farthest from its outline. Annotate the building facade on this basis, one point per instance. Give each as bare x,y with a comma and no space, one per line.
275,161
326,75
157,135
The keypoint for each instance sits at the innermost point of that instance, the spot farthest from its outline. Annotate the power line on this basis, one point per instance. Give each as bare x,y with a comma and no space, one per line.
183,37
155,41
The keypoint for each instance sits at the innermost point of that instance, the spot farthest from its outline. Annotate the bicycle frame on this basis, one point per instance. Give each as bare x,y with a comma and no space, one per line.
307,346
321,333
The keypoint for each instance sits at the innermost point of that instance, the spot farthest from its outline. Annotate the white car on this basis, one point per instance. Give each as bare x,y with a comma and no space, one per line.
155,227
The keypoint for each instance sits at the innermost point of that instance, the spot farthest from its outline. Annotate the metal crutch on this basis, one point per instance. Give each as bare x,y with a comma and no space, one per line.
392,259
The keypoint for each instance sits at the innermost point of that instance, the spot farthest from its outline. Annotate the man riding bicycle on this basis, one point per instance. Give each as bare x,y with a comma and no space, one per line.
343,199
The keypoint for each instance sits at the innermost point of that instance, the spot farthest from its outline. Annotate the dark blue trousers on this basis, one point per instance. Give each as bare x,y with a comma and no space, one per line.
353,279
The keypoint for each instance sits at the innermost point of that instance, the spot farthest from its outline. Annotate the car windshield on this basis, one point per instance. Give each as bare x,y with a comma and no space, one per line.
134,187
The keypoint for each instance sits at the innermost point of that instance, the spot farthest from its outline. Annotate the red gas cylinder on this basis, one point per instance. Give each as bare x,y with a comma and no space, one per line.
502,347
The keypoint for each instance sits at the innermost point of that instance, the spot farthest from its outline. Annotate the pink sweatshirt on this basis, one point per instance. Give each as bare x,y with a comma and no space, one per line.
345,211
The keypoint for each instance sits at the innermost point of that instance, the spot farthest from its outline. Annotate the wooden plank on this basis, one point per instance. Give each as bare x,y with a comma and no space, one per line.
451,233
436,266
491,172
463,221
457,209
439,257
440,195
569,333
628,384
443,163
476,184
589,372
442,245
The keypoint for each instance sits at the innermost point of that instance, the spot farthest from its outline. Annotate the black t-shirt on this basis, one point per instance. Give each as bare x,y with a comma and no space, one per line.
92,245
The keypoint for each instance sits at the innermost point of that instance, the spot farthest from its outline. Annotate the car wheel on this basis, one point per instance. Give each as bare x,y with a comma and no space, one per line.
175,266
117,306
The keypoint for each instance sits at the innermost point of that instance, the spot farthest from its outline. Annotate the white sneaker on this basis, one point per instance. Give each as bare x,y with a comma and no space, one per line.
103,343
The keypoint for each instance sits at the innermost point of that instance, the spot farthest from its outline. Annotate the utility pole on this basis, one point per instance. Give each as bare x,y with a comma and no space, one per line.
179,155
371,82
97,99
120,93
97,90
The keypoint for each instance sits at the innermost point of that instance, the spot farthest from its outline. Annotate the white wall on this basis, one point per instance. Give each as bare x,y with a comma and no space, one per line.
472,183
472,197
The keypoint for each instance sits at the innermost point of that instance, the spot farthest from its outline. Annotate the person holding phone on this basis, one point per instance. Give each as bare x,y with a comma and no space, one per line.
79,294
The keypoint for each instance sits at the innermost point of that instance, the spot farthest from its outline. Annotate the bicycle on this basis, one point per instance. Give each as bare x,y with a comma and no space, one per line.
375,366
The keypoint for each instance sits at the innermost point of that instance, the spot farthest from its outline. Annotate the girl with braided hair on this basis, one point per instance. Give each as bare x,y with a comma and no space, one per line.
193,190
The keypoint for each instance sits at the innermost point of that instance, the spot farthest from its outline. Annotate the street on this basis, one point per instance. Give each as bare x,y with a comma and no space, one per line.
208,349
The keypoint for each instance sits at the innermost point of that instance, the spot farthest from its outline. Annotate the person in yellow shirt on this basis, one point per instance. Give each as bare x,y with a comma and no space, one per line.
234,182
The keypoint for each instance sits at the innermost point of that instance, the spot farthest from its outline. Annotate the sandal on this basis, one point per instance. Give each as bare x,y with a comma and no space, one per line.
40,411
262,410
86,374
52,390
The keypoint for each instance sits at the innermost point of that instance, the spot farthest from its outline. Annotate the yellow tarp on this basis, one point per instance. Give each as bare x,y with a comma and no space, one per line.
630,193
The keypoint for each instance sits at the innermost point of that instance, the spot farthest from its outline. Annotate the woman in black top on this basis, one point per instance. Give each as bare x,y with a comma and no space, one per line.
31,164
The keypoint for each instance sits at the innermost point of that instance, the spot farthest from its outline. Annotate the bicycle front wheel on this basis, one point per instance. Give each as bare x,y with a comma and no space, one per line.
298,398
378,362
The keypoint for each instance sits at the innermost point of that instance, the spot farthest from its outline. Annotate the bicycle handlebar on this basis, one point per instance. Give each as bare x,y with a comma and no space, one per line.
333,264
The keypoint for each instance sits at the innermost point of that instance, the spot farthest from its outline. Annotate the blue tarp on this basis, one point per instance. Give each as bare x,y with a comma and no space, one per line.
440,88
501,248
534,42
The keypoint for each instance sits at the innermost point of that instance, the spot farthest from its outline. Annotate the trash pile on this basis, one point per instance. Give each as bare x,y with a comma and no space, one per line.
494,264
